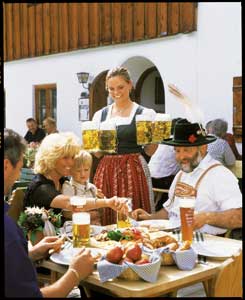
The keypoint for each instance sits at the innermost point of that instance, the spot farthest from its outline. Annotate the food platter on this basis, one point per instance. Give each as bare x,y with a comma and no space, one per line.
65,256
215,249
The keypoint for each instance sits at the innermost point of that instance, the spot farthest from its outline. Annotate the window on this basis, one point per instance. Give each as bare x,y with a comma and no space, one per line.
45,102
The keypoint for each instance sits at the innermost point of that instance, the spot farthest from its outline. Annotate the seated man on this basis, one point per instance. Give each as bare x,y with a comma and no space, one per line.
49,125
218,198
34,133
19,273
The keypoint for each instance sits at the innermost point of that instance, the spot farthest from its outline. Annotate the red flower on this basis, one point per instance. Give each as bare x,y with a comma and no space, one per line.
192,138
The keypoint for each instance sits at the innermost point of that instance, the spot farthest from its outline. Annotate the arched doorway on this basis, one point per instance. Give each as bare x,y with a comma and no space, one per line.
97,94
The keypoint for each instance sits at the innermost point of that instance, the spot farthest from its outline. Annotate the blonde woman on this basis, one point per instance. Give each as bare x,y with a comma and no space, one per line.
53,163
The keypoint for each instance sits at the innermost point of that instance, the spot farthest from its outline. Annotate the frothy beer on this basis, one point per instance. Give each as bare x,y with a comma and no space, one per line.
107,137
143,129
80,229
186,217
161,128
90,136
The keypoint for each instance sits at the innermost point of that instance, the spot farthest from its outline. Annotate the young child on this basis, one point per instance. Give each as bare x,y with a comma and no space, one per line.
79,184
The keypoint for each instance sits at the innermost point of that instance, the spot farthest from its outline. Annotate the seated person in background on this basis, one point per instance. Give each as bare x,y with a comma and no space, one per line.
49,125
19,273
220,149
79,184
34,133
53,162
218,198
163,168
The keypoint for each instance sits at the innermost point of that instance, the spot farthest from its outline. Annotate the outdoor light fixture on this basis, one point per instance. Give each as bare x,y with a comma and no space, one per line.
83,78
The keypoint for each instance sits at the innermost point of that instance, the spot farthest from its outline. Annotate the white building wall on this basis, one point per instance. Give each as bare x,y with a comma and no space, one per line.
201,63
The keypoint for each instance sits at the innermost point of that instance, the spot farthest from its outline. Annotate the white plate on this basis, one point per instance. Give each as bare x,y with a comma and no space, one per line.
94,229
215,249
159,224
65,256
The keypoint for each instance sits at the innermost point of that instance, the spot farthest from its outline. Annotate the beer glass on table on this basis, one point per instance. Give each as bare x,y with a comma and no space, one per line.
108,137
143,129
80,229
187,205
161,127
123,219
90,135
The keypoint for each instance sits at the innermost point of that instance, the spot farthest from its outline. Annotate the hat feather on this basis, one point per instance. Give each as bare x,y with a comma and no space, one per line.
193,112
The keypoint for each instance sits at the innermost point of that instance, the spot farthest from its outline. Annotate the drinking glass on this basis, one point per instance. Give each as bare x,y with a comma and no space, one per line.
161,127
143,129
187,206
80,229
107,137
90,136
123,219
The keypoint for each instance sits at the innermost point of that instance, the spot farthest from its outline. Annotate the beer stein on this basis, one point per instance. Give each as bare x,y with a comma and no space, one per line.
90,136
80,229
143,129
108,137
161,128
187,205
123,219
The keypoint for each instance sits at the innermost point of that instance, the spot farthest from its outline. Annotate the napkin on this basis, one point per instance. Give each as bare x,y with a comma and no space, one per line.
148,272
184,259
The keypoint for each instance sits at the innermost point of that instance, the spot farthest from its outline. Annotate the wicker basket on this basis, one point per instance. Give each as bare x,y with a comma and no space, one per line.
167,259
129,274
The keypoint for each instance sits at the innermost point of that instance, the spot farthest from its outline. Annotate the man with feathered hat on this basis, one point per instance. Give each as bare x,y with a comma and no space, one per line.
218,200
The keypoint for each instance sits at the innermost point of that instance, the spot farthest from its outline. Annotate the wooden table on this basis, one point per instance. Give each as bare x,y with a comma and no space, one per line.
170,278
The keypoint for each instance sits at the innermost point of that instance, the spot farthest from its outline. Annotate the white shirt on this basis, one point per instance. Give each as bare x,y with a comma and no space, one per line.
124,120
73,188
163,162
218,191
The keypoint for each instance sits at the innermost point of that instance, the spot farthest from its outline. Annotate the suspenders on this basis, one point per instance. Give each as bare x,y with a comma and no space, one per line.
184,189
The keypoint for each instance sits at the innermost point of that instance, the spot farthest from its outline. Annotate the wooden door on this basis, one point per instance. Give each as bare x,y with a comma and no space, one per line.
237,108
45,102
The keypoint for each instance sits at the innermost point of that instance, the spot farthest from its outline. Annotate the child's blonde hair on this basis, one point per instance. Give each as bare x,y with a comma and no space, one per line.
83,158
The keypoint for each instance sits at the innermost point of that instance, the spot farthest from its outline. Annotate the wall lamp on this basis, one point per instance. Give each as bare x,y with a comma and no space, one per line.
83,79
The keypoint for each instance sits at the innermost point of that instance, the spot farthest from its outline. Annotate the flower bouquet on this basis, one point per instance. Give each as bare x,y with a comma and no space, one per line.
38,222
30,154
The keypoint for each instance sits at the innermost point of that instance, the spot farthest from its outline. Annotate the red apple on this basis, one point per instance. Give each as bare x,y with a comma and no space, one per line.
114,255
142,261
133,252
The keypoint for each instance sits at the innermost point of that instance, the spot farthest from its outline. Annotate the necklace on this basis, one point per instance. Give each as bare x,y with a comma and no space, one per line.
122,109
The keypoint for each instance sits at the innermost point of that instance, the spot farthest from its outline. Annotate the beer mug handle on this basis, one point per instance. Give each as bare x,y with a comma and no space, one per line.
66,231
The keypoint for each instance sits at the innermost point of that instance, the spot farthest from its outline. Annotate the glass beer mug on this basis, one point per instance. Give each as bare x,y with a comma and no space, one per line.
187,205
80,229
143,129
108,137
90,135
161,128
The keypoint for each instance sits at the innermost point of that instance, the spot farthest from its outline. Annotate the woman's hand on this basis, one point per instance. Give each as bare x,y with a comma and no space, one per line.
118,204
41,249
83,263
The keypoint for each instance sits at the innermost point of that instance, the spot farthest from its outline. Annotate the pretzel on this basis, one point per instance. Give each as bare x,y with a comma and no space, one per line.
58,245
